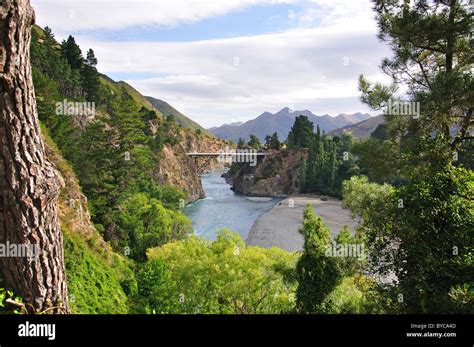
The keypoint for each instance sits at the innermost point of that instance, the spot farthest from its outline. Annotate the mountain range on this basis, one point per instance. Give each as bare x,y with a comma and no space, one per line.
362,129
281,122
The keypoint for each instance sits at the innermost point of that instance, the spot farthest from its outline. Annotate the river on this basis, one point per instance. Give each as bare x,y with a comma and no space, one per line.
222,208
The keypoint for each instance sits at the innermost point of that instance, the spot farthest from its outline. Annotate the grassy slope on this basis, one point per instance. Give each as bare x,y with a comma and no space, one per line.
166,109
113,86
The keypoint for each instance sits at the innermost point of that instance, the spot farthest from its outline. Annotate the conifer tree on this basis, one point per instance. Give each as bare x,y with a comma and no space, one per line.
317,273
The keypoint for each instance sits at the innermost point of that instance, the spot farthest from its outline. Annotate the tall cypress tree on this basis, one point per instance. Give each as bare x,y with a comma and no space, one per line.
317,273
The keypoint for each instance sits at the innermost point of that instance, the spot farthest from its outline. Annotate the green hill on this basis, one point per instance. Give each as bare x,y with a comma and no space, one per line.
166,109
115,87
107,160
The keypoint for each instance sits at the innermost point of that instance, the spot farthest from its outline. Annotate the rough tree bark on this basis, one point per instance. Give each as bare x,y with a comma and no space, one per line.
29,184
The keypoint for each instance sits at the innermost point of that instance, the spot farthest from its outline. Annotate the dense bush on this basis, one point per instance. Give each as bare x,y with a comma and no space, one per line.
224,276
96,284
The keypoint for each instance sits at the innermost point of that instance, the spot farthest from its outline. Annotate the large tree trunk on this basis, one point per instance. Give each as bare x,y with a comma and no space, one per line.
29,184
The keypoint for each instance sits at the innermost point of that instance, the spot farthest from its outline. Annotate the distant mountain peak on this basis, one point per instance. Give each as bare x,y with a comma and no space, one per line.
281,122
360,129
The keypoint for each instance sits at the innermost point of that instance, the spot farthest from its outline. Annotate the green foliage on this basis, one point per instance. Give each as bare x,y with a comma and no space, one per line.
317,273
362,197
435,228
350,265
328,163
380,133
115,155
152,280
96,284
302,174
224,276
113,158
378,160
241,143
168,132
10,303
72,52
351,296
254,142
462,298
149,224
301,133
423,231
90,78
430,44
115,165
272,142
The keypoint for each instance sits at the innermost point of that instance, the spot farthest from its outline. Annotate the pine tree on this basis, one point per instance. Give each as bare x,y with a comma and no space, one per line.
302,176
268,140
72,52
241,143
431,44
91,60
90,78
332,169
274,141
254,142
301,133
29,184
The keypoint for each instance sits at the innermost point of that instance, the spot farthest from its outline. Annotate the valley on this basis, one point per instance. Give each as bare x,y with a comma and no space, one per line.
131,208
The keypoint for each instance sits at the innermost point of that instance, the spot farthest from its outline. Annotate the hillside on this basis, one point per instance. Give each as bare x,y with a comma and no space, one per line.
126,171
115,87
362,129
166,109
268,123
90,262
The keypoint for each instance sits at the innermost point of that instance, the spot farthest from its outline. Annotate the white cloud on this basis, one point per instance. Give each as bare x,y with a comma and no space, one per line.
302,67
66,16
344,14
314,66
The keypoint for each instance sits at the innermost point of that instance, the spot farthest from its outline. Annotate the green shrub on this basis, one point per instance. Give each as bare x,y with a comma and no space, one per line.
96,284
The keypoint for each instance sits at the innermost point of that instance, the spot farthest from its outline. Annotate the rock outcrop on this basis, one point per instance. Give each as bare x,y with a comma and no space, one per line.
277,174
178,169
205,144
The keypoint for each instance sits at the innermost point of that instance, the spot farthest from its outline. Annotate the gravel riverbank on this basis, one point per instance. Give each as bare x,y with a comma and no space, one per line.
279,226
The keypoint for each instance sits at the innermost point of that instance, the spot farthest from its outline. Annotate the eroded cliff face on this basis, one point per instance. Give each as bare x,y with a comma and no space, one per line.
178,169
204,144
278,173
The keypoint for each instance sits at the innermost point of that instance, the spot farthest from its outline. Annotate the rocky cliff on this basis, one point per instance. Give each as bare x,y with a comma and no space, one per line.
274,175
178,169
175,167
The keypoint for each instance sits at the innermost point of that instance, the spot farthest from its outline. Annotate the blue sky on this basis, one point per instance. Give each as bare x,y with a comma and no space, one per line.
225,61
260,19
